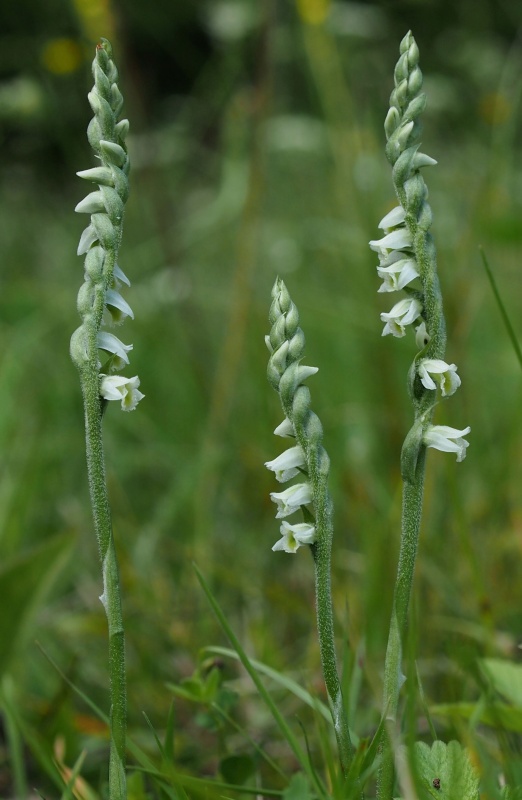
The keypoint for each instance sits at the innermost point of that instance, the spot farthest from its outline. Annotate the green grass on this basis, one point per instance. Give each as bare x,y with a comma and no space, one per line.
289,185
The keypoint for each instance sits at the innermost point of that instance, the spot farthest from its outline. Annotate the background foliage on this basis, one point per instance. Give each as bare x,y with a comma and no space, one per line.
257,150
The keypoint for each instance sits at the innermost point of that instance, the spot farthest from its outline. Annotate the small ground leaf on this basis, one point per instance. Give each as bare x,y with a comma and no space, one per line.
446,771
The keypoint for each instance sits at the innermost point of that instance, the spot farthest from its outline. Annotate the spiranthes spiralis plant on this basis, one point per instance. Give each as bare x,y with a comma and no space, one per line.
100,303
407,263
307,460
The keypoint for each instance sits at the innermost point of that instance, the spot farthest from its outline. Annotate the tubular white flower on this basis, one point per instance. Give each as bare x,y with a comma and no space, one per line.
394,218
111,344
433,371
117,307
403,313
286,465
119,277
447,439
396,240
294,536
88,237
116,387
399,274
291,499
285,429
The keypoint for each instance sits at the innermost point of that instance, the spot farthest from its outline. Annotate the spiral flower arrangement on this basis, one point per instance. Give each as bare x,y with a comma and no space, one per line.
407,263
308,461
407,257
99,298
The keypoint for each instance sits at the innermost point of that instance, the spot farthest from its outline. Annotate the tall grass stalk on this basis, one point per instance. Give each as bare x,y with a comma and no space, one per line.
99,300
307,459
408,263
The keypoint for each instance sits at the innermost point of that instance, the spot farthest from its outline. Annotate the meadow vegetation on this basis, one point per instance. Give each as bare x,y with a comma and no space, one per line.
271,165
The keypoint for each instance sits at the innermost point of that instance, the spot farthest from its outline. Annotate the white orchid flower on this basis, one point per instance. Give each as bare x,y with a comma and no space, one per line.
392,219
285,429
111,344
117,387
433,371
286,465
294,536
403,313
395,240
447,439
398,274
291,499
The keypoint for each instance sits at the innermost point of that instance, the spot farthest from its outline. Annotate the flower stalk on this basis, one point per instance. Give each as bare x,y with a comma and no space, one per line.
407,262
307,459
99,300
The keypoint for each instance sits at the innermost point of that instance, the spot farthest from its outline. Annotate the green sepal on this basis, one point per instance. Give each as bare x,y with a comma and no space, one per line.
116,99
78,347
411,450
112,152
416,106
85,299
105,231
277,365
103,86
120,182
113,204
103,113
296,345
93,264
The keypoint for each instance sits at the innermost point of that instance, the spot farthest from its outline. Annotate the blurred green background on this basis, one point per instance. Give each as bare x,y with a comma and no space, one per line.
257,150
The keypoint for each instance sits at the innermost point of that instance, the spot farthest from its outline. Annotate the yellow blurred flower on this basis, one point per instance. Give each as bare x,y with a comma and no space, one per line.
494,108
62,56
313,12
96,18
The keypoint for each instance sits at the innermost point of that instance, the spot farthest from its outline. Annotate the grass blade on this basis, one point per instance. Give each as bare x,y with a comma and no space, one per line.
502,308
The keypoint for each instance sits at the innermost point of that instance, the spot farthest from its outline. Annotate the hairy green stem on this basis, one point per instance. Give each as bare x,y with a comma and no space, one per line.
411,520
111,598
322,555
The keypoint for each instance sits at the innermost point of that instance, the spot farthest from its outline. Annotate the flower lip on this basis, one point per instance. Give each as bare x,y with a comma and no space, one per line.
403,313
294,536
286,465
434,371
397,275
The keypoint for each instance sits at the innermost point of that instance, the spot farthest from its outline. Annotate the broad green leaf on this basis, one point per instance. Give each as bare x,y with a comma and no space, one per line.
237,769
505,677
298,788
446,771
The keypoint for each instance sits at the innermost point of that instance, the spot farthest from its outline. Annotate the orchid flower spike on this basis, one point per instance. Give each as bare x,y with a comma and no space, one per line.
99,298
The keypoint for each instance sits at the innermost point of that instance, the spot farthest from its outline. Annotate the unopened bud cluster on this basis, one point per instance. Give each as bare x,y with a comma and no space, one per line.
99,299
407,260
306,460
